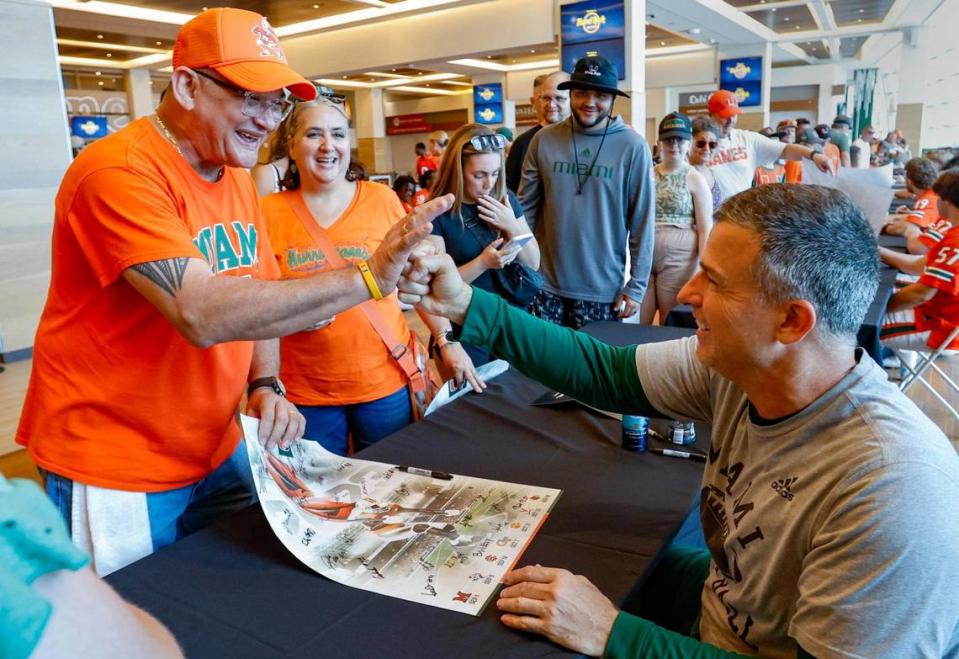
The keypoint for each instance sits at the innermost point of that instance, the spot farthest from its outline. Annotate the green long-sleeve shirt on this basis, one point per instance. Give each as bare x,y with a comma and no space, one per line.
600,375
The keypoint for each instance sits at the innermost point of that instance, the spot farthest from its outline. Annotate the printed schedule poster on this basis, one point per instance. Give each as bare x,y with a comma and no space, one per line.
445,542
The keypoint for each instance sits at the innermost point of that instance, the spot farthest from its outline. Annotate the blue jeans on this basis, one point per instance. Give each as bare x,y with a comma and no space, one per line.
177,513
331,425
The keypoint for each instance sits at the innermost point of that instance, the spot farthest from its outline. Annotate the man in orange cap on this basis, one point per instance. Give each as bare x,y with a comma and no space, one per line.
160,315
740,152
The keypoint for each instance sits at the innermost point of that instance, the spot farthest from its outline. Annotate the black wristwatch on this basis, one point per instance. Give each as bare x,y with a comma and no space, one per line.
274,383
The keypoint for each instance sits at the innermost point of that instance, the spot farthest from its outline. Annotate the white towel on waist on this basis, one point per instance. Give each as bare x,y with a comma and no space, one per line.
113,526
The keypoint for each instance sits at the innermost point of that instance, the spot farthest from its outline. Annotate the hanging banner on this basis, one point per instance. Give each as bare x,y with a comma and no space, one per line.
743,76
593,28
488,103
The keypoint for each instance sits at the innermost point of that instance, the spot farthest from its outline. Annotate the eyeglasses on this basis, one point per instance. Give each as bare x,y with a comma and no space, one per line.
492,142
255,105
702,144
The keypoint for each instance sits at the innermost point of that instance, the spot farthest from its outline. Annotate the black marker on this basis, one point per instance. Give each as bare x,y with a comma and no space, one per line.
673,453
429,473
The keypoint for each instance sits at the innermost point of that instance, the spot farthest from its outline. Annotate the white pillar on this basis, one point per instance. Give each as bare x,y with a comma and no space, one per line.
767,79
913,64
635,82
139,93
34,153
369,121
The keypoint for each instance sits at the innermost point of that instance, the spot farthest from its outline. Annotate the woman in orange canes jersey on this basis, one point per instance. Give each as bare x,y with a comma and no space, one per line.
340,375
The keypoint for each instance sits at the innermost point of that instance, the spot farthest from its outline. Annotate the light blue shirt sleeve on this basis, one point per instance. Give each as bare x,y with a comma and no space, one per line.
33,542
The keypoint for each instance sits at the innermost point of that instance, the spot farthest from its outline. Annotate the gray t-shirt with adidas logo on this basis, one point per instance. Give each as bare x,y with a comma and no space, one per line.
836,529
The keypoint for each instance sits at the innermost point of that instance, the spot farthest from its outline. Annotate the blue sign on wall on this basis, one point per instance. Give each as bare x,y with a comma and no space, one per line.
488,114
488,94
613,49
742,69
594,20
88,127
750,94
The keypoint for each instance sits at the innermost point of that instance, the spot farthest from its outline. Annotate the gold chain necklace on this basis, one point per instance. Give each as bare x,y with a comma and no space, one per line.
176,145
167,134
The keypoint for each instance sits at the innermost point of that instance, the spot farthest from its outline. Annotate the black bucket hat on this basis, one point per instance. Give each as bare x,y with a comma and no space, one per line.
596,73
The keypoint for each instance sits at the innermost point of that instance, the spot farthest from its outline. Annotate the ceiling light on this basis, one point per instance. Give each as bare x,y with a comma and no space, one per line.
377,11
100,45
109,54
316,6
496,66
159,43
99,36
532,50
662,43
151,82
799,27
97,73
393,70
204,8
862,11
773,9
859,21
100,82
786,19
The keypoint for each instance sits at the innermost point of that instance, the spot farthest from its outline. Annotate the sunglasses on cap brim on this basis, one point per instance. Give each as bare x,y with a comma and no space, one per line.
323,91
488,142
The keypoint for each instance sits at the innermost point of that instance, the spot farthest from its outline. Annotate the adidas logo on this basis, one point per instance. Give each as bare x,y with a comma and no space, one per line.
782,486
585,153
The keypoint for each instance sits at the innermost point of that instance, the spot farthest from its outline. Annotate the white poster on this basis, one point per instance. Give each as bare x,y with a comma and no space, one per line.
440,539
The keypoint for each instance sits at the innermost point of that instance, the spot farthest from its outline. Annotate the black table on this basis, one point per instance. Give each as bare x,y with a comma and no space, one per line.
868,335
233,590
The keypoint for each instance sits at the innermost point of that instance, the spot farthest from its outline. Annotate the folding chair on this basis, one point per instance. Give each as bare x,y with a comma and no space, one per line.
926,361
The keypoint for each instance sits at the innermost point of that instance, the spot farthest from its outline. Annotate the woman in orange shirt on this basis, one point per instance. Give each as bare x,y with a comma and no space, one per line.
340,375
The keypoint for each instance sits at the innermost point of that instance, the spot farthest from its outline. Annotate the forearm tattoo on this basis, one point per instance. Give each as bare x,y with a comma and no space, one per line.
167,274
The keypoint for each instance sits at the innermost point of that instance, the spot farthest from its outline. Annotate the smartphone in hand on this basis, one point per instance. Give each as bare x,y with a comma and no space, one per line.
517,243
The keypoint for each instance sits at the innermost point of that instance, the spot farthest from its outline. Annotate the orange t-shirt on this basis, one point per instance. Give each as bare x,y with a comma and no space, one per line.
424,163
793,170
925,212
774,174
832,152
118,398
421,196
345,362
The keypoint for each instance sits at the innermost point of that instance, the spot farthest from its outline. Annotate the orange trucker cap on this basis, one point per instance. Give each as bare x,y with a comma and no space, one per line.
723,104
241,46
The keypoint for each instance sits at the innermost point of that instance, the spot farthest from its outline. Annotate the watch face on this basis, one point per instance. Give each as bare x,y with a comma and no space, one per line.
279,388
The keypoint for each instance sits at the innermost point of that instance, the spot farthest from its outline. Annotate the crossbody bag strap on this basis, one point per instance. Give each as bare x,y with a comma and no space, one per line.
399,350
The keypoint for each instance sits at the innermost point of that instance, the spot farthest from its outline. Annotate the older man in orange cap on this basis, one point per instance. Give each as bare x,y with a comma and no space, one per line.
161,314
740,152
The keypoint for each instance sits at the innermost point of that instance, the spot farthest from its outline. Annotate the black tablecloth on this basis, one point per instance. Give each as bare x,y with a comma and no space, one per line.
868,336
233,590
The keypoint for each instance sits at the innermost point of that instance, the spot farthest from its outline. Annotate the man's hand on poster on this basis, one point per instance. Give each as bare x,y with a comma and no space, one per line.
280,422
564,607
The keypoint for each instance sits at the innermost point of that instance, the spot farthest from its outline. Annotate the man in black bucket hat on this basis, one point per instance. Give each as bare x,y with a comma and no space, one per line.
588,192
